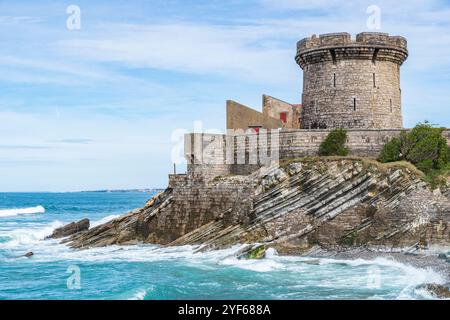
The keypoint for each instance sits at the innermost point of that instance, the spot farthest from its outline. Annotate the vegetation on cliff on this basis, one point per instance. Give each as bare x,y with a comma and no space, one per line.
424,147
334,144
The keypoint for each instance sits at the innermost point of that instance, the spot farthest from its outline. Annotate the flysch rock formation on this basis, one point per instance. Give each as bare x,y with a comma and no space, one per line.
294,206
70,229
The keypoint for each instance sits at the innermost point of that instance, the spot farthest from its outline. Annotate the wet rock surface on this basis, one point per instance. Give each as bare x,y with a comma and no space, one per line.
252,252
437,290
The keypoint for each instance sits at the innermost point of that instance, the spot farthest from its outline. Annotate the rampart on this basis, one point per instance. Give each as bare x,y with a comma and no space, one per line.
213,155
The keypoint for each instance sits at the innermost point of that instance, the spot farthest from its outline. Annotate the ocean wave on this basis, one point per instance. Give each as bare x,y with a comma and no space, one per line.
322,272
270,263
19,211
139,295
33,233
416,275
25,237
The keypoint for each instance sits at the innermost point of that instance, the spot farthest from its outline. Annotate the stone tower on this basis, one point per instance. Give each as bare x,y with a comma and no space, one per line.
351,83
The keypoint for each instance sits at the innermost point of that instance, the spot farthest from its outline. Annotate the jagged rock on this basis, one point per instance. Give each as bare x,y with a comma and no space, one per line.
294,168
437,290
252,252
327,203
70,229
273,178
442,256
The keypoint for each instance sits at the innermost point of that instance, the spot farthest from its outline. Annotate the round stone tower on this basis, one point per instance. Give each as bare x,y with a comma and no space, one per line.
351,83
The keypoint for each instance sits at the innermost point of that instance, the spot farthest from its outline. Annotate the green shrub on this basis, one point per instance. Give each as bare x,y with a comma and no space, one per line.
424,146
391,151
334,144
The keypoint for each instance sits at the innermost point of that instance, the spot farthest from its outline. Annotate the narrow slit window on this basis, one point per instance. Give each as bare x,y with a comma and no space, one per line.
354,104
374,80
390,104
316,108
334,80
333,56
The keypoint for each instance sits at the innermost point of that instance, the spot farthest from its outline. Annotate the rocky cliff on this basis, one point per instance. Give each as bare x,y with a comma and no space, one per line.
302,203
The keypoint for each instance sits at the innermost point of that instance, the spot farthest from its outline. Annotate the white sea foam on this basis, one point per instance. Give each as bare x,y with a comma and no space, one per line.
24,237
416,275
318,272
139,295
18,211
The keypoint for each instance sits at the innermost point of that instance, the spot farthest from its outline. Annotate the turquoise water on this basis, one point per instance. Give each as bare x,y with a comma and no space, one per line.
150,272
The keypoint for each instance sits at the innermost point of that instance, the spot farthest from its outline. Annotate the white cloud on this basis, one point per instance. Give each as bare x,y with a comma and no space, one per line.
14,20
244,52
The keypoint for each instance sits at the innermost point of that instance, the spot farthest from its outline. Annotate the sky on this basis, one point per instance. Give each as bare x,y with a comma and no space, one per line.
101,104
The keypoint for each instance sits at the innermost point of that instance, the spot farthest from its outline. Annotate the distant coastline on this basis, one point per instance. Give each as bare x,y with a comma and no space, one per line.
125,190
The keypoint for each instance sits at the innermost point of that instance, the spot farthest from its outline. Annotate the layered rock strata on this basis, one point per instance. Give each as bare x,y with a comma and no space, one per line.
302,203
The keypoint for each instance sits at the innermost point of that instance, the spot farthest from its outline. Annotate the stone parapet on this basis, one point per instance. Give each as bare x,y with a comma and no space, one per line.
367,45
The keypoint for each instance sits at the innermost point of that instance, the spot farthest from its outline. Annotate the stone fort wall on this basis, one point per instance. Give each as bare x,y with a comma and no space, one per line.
351,83
213,155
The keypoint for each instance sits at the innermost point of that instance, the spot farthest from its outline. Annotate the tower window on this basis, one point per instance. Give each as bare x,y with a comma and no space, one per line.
354,104
390,104
334,80
374,81
374,57
316,107
333,55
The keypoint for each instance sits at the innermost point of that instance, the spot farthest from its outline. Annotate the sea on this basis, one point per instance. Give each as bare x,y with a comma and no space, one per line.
149,272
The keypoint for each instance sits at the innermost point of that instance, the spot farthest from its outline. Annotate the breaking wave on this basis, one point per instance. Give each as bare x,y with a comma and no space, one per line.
24,237
16,212
333,275
139,295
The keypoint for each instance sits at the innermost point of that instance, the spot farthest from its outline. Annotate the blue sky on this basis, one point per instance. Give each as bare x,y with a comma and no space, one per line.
95,108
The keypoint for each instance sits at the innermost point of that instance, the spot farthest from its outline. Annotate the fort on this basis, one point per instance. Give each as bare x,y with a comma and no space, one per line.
347,83
260,185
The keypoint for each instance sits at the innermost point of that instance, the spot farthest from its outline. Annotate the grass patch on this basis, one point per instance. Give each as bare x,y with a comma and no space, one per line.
284,163
386,167
366,162
350,239
438,178
224,177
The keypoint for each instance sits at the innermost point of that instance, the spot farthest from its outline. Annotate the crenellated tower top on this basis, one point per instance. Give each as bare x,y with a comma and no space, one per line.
367,45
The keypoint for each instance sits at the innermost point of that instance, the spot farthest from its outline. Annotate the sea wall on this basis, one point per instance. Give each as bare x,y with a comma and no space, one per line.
212,155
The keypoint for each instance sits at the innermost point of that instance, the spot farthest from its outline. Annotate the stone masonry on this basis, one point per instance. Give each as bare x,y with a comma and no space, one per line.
351,83
214,155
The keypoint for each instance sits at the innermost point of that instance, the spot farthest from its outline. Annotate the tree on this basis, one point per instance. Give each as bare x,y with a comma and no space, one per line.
424,146
334,144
